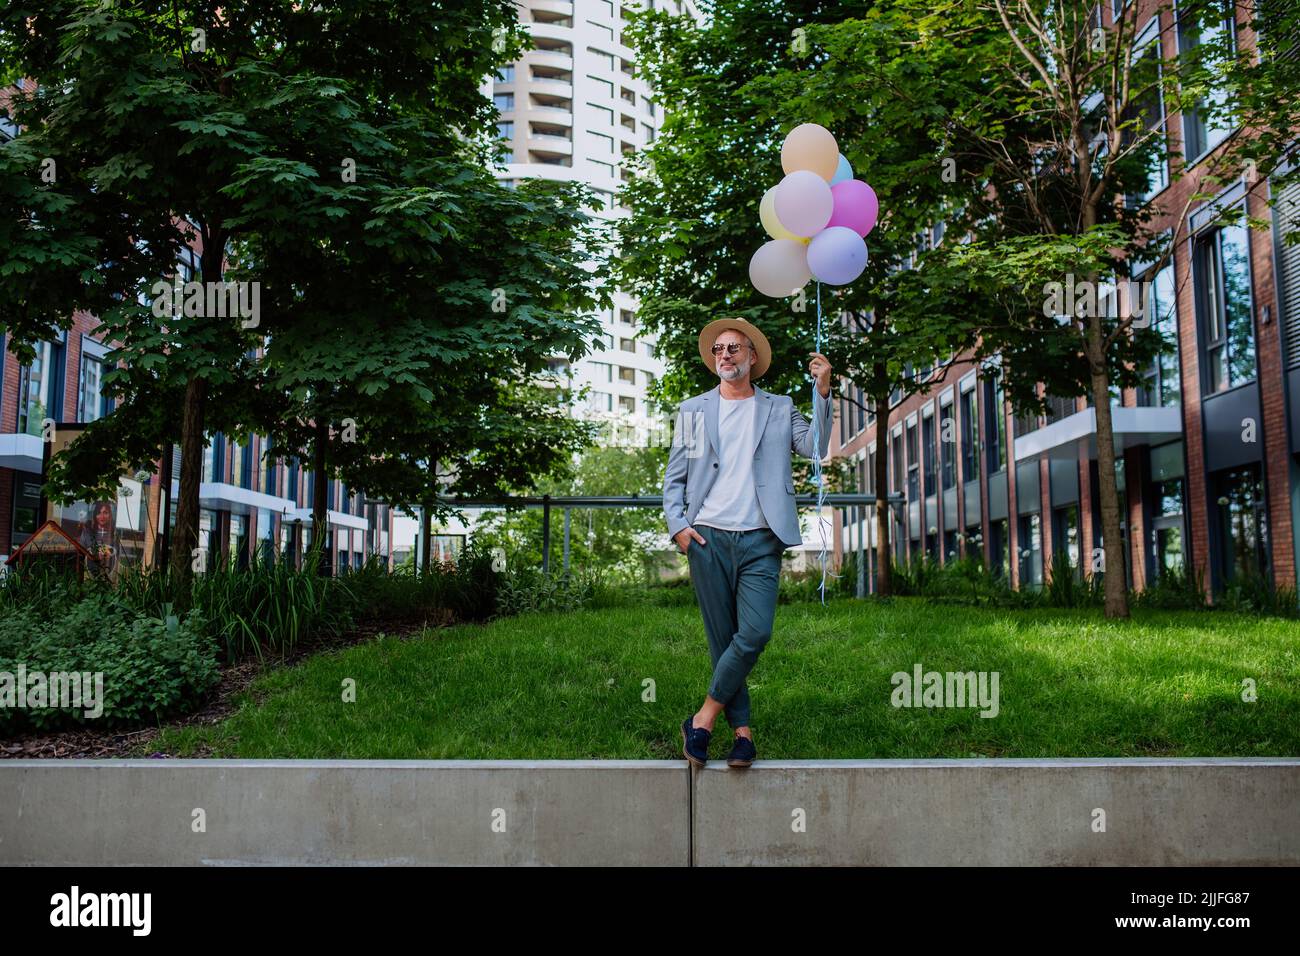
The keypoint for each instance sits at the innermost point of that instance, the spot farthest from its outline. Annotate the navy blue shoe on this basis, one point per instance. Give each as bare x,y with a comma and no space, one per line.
695,742
742,753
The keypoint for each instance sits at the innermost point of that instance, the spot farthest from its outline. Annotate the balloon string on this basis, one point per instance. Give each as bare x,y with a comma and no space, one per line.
822,522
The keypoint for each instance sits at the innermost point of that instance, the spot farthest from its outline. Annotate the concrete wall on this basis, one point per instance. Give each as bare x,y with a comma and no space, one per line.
872,812
1001,813
300,812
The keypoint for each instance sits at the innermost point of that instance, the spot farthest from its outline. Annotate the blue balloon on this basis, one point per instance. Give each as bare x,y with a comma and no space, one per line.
837,255
842,172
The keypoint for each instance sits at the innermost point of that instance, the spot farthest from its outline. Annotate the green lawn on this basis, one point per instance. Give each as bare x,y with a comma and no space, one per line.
569,686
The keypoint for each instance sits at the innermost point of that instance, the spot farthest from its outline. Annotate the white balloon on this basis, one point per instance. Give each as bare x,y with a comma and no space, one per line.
779,267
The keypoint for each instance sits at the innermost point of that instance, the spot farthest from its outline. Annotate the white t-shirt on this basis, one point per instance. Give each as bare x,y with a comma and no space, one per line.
732,502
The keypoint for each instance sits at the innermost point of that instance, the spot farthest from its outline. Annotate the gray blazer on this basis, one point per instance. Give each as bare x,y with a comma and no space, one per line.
693,460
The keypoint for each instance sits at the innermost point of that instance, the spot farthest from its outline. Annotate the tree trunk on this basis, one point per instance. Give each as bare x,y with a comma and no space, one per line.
884,569
186,536
320,484
1116,580
212,263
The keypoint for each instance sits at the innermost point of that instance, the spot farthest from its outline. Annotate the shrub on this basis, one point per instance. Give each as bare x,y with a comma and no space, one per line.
152,666
1174,589
528,589
1255,593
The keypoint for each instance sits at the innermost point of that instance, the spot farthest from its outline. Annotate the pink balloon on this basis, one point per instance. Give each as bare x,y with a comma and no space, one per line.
856,206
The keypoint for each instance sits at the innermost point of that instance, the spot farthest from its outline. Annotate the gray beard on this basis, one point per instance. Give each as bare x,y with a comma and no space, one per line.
737,372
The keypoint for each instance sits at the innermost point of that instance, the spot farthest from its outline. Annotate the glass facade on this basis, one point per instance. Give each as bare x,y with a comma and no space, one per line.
1223,290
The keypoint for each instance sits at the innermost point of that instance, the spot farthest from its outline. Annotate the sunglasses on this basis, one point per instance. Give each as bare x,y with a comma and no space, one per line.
732,348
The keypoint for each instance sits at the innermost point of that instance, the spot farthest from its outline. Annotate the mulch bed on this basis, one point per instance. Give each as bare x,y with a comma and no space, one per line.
220,704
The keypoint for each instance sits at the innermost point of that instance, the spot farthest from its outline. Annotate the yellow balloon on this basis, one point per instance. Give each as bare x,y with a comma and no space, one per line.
771,224
809,146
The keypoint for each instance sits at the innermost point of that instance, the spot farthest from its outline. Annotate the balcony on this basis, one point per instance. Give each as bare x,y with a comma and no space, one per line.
1065,438
551,59
221,496
552,83
22,452
336,519
557,115
550,145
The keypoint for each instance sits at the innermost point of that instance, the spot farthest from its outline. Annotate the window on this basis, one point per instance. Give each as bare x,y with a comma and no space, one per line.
268,472
996,426
265,540
503,101
1065,541
606,88
506,129
239,540
927,452
627,345
1206,124
896,454
999,543
627,404
1148,110
38,389
241,464
1031,551
1166,494
1243,525
947,435
213,460
913,464
606,60
1162,385
506,74
92,403
627,375
1223,291
970,436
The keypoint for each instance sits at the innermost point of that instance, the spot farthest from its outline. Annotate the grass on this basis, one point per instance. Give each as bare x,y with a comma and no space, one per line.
571,685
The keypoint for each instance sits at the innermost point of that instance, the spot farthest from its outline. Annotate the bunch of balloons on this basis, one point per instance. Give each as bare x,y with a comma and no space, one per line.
818,217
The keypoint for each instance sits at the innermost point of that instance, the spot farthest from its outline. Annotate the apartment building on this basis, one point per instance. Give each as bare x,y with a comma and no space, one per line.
573,108
249,505
1209,445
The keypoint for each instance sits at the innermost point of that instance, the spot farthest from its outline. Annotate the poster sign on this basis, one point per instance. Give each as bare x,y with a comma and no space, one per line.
113,532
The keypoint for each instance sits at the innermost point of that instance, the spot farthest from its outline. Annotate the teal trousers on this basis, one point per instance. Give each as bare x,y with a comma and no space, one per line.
735,575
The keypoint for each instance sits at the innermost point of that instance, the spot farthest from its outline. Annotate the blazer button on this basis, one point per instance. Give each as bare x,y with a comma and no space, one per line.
715,464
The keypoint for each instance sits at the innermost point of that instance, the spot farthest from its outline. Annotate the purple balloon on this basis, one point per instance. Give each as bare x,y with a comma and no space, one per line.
837,255
856,206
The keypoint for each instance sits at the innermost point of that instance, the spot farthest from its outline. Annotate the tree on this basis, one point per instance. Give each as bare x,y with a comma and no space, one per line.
182,124
1063,131
731,91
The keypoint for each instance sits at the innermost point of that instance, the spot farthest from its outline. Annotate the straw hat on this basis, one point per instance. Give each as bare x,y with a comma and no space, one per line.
762,350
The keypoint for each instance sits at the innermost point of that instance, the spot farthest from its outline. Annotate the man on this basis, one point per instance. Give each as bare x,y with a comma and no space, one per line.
729,502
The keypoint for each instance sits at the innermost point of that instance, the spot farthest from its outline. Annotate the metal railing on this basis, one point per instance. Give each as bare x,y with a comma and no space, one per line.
569,502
